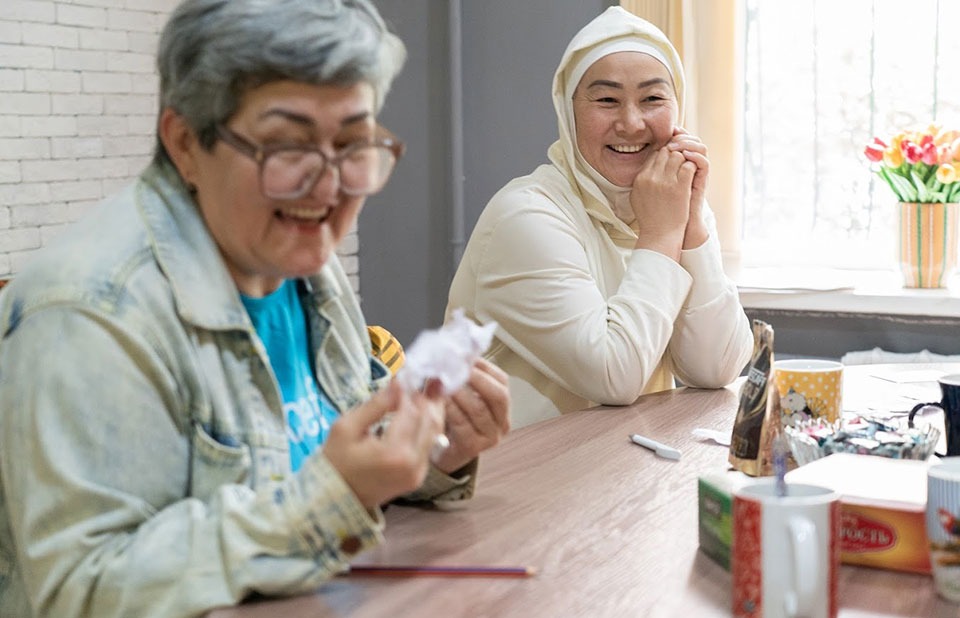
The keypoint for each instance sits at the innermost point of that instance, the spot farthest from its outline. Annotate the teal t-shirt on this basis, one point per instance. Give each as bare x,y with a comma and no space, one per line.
280,322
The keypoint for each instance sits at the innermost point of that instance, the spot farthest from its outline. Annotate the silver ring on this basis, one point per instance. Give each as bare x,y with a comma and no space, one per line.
440,443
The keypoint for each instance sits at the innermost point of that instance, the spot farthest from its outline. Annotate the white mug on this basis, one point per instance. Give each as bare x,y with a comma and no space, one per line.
786,551
943,526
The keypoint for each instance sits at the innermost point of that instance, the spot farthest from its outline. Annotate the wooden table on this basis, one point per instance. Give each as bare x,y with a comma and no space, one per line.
611,528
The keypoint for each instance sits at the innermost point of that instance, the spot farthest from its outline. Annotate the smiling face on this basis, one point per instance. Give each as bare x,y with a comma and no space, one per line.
625,109
264,241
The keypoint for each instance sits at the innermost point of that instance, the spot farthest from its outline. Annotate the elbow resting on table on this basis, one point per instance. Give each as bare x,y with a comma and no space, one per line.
605,390
619,390
716,366
712,381
618,399
614,375
716,376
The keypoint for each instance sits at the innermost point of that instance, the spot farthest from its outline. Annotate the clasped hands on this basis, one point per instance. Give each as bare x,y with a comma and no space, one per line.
381,467
668,193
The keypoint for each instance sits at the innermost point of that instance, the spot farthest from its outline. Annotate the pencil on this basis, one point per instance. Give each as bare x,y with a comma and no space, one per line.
441,571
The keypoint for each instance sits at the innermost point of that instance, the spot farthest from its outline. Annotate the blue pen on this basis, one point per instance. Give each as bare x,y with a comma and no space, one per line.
780,464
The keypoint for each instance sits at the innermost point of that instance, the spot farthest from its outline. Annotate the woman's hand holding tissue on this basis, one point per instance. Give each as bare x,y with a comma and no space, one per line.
477,416
379,467
476,392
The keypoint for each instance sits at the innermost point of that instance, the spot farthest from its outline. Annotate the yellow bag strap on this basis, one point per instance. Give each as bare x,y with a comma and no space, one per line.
385,347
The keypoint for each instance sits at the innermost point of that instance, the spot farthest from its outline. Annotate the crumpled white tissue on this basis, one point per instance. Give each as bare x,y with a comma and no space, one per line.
447,354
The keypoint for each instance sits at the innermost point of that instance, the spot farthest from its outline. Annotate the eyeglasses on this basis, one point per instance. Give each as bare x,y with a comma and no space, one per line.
288,172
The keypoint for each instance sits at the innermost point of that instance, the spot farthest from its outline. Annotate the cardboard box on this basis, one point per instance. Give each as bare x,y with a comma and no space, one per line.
883,503
882,509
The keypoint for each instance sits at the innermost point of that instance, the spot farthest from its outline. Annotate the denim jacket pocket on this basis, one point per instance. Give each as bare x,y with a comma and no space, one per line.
214,463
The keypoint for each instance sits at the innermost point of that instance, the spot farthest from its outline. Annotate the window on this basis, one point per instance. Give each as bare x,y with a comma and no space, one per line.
821,79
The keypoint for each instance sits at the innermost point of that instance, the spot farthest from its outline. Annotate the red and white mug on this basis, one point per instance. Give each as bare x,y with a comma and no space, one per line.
786,551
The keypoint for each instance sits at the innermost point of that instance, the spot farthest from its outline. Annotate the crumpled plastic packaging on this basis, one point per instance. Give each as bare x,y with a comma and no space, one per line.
446,354
816,438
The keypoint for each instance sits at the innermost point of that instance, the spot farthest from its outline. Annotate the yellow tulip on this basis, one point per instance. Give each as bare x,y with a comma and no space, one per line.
946,173
934,129
893,157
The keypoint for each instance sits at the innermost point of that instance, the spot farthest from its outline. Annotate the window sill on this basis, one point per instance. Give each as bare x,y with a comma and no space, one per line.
878,292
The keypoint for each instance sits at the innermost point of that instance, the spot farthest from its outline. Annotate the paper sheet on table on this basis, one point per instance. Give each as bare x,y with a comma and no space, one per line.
891,399
909,376
895,392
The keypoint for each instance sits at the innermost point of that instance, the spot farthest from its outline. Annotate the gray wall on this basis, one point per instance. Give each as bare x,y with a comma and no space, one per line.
404,251
509,53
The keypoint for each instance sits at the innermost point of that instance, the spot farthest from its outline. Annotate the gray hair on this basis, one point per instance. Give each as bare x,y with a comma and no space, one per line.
212,52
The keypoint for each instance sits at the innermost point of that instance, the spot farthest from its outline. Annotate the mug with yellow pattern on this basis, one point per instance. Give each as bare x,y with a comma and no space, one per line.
809,389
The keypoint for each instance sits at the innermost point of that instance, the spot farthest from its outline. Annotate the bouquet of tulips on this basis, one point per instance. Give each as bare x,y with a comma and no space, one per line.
919,166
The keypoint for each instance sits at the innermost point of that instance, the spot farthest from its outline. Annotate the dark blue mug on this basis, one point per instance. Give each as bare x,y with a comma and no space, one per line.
950,404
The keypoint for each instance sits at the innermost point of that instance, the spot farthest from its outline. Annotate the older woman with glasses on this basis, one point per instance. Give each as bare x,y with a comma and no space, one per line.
188,407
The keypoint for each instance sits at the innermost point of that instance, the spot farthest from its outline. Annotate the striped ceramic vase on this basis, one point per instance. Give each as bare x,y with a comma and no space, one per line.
927,250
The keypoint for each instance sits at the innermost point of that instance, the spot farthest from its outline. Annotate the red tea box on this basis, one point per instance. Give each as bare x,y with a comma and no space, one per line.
882,508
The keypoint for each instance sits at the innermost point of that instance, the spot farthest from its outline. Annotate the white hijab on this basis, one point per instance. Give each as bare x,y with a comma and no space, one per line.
615,30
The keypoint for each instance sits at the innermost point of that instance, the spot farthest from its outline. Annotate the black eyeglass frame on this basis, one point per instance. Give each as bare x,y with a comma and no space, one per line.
260,154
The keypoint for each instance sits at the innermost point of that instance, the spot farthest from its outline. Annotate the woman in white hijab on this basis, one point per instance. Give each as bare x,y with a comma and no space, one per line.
603,268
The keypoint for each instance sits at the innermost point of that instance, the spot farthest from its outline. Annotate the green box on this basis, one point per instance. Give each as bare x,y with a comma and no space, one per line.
715,497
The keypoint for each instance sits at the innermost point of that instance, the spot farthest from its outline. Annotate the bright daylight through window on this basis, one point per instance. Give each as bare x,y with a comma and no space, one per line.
822,78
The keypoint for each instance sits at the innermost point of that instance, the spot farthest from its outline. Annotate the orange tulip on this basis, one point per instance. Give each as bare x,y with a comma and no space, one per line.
899,137
944,155
946,173
955,149
892,157
946,137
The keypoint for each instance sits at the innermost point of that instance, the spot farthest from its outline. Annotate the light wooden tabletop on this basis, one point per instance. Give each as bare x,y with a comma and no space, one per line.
611,528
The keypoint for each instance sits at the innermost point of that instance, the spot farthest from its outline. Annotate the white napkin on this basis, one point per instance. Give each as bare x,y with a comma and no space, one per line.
447,354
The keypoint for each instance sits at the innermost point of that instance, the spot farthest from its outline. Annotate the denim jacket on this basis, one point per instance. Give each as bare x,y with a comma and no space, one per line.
144,463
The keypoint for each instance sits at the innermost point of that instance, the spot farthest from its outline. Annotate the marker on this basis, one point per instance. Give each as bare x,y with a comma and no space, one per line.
660,449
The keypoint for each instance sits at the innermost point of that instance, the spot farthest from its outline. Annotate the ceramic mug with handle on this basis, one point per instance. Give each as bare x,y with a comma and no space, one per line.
786,551
809,389
950,404
943,526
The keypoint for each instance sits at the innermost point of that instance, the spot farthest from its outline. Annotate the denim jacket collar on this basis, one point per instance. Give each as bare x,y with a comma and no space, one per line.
203,288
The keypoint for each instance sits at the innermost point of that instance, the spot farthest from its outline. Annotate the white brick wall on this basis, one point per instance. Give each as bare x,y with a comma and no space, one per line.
78,104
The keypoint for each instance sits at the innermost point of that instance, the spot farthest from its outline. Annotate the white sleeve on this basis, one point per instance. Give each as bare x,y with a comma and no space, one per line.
712,340
534,279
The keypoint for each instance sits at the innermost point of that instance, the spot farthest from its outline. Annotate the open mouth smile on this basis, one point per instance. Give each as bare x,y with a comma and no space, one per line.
303,215
626,148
